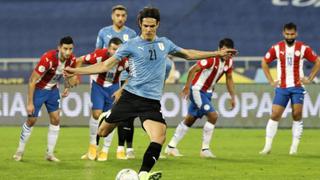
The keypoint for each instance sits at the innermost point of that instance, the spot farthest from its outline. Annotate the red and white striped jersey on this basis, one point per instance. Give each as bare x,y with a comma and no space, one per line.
290,62
50,68
211,71
105,79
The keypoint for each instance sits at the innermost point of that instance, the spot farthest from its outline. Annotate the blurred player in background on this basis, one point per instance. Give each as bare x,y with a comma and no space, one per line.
201,80
289,54
141,95
43,89
119,30
103,86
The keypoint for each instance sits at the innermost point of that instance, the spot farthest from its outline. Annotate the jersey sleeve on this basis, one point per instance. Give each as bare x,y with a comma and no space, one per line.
122,52
172,47
205,63
73,62
230,67
270,55
99,42
43,65
95,57
310,55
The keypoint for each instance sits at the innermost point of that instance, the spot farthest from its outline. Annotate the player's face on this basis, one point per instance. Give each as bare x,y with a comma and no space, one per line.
65,51
228,56
119,17
149,28
290,36
113,48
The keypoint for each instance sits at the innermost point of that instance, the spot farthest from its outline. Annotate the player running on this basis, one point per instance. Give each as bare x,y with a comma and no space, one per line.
43,89
289,54
147,55
201,80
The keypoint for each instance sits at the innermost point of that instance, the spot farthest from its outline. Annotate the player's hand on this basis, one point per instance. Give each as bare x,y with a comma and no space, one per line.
68,71
233,102
65,92
30,108
306,80
116,95
72,81
185,92
227,52
274,83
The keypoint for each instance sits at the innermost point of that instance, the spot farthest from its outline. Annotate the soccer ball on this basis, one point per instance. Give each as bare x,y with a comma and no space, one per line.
127,174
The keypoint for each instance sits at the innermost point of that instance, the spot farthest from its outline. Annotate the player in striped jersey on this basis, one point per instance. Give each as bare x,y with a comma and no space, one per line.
43,89
290,55
103,86
202,78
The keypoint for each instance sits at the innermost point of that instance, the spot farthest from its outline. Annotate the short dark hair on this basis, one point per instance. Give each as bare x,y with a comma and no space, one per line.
226,42
290,26
119,7
149,12
66,40
115,41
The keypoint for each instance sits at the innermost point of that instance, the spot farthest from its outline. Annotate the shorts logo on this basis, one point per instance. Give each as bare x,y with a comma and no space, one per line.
161,46
297,53
41,68
206,107
125,37
203,62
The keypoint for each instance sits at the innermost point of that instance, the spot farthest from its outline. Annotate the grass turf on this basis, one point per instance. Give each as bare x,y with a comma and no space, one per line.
236,150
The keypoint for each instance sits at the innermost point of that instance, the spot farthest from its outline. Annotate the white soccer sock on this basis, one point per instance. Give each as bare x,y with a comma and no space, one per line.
207,135
24,136
52,138
120,148
93,126
129,149
271,131
178,134
107,142
297,129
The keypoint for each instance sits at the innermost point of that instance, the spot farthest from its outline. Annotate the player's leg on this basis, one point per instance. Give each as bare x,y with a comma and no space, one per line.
129,131
121,154
208,130
53,105
280,102
157,134
179,133
297,98
38,99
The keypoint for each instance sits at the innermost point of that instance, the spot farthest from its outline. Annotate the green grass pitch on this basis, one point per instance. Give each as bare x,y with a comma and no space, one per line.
236,150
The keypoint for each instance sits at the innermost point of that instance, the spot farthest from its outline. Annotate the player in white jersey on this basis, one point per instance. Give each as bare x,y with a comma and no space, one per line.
147,55
290,55
201,80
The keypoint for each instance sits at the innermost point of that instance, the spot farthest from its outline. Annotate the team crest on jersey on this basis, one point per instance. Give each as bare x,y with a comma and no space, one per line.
125,37
297,53
161,46
87,58
41,68
203,62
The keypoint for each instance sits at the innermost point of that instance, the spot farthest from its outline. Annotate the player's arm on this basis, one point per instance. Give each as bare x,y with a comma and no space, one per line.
230,87
117,94
266,70
313,73
186,89
191,54
93,69
31,88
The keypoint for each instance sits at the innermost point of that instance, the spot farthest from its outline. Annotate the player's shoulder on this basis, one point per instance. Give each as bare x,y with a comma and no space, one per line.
302,43
105,29
130,30
51,54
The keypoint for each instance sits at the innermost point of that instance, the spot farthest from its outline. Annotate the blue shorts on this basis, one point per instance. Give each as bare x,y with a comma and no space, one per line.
200,103
283,95
51,98
101,97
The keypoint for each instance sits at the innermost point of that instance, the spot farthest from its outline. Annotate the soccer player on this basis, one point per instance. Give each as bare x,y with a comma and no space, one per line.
141,96
43,89
103,86
289,54
119,30
201,80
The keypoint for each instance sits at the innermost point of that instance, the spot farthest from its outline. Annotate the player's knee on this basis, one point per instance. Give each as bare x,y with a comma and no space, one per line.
95,115
189,120
297,115
213,117
102,132
275,116
31,122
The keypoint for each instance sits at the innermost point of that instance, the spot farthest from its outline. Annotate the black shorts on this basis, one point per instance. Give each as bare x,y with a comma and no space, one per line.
131,106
